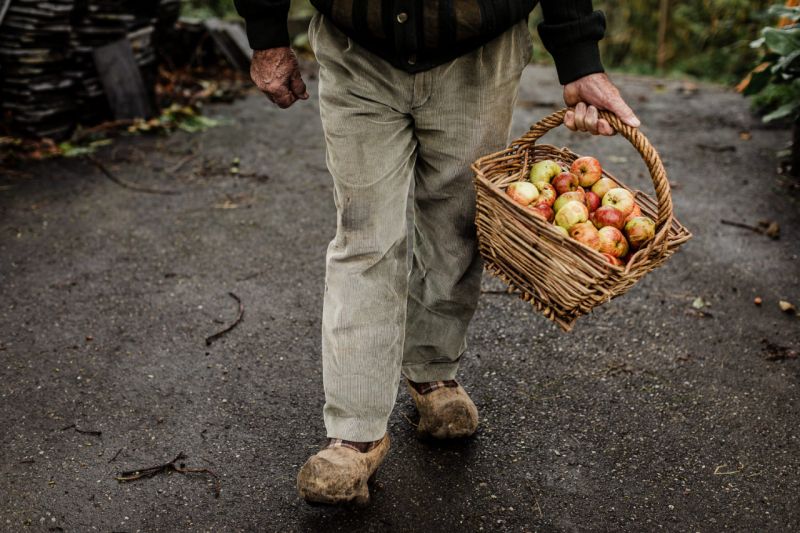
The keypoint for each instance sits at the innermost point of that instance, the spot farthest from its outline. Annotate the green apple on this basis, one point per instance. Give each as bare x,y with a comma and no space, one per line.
578,195
602,186
571,213
544,171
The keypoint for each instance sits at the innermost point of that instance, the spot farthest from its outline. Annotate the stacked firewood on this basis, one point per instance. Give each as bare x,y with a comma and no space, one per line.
48,78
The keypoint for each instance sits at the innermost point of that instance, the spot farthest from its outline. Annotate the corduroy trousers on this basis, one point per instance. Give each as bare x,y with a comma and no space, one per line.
384,128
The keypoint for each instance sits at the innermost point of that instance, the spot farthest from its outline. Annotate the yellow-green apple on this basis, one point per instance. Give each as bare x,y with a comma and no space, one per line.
605,215
565,182
523,192
592,201
602,186
612,242
571,213
547,193
613,260
587,169
621,199
561,231
543,210
544,171
577,195
637,212
586,233
640,231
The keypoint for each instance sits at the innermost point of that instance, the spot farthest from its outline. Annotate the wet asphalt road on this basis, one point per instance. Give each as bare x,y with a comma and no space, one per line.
650,416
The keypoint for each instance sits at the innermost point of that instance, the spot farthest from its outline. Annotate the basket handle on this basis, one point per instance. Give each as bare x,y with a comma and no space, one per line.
649,155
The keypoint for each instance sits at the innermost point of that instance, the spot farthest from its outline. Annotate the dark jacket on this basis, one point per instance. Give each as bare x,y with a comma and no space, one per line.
415,35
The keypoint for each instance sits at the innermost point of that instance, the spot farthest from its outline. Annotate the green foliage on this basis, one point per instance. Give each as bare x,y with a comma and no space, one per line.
775,83
209,8
707,39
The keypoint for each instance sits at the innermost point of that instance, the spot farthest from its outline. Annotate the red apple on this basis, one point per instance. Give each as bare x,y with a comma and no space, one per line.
586,233
592,201
637,212
605,215
547,193
543,210
602,186
523,192
565,182
616,261
640,231
588,170
612,241
620,198
577,195
544,171
572,213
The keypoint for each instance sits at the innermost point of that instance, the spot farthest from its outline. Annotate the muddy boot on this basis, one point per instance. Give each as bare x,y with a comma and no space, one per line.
445,409
339,473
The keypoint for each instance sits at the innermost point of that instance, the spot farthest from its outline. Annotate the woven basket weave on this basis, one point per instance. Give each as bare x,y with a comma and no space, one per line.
560,277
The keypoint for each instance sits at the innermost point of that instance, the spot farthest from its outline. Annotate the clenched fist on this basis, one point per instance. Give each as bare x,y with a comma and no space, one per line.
276,73
590,94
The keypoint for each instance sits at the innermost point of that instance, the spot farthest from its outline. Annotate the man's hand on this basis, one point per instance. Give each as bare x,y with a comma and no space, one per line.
588,95
276,73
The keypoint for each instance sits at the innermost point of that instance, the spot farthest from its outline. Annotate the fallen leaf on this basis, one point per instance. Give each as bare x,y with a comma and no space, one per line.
787,307
699,303
745,135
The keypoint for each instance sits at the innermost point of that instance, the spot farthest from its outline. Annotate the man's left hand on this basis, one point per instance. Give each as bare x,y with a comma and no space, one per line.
590,94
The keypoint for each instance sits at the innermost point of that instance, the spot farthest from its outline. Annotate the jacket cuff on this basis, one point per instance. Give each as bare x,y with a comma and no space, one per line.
577,60
269,30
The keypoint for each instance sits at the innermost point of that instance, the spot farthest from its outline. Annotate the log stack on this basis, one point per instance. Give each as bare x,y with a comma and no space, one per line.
48,79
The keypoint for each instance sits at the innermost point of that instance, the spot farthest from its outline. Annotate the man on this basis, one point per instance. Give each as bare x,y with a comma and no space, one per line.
411,89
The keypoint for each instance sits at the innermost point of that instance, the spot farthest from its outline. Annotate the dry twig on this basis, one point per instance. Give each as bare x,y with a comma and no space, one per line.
235,323
126,184
172,466
82,431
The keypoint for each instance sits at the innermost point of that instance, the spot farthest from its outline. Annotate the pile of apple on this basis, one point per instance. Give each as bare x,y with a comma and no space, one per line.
586,206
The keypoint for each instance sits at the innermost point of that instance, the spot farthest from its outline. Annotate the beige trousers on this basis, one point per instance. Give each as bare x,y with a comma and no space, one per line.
384,128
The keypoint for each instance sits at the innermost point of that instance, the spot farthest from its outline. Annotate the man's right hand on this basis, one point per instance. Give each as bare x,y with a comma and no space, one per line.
276,73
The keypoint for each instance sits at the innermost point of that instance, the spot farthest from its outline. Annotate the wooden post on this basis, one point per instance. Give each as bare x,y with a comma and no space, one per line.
663,22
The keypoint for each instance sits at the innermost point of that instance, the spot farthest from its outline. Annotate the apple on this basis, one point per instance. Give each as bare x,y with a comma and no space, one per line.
571,213
543,210
637,212
586,233
612,242
592,201
547,193
565,182
620,198
616,261
544,171
523,192
640,231
588,170
602,186
605,215
577,195
561,230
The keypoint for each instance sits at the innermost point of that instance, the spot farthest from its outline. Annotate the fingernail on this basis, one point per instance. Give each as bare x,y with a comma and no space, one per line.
635,122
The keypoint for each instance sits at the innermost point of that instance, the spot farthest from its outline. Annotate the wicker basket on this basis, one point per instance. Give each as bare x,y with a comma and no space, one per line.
559,276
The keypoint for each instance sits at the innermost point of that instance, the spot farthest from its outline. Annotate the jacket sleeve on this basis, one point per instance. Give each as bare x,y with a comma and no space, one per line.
570,31
266,22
